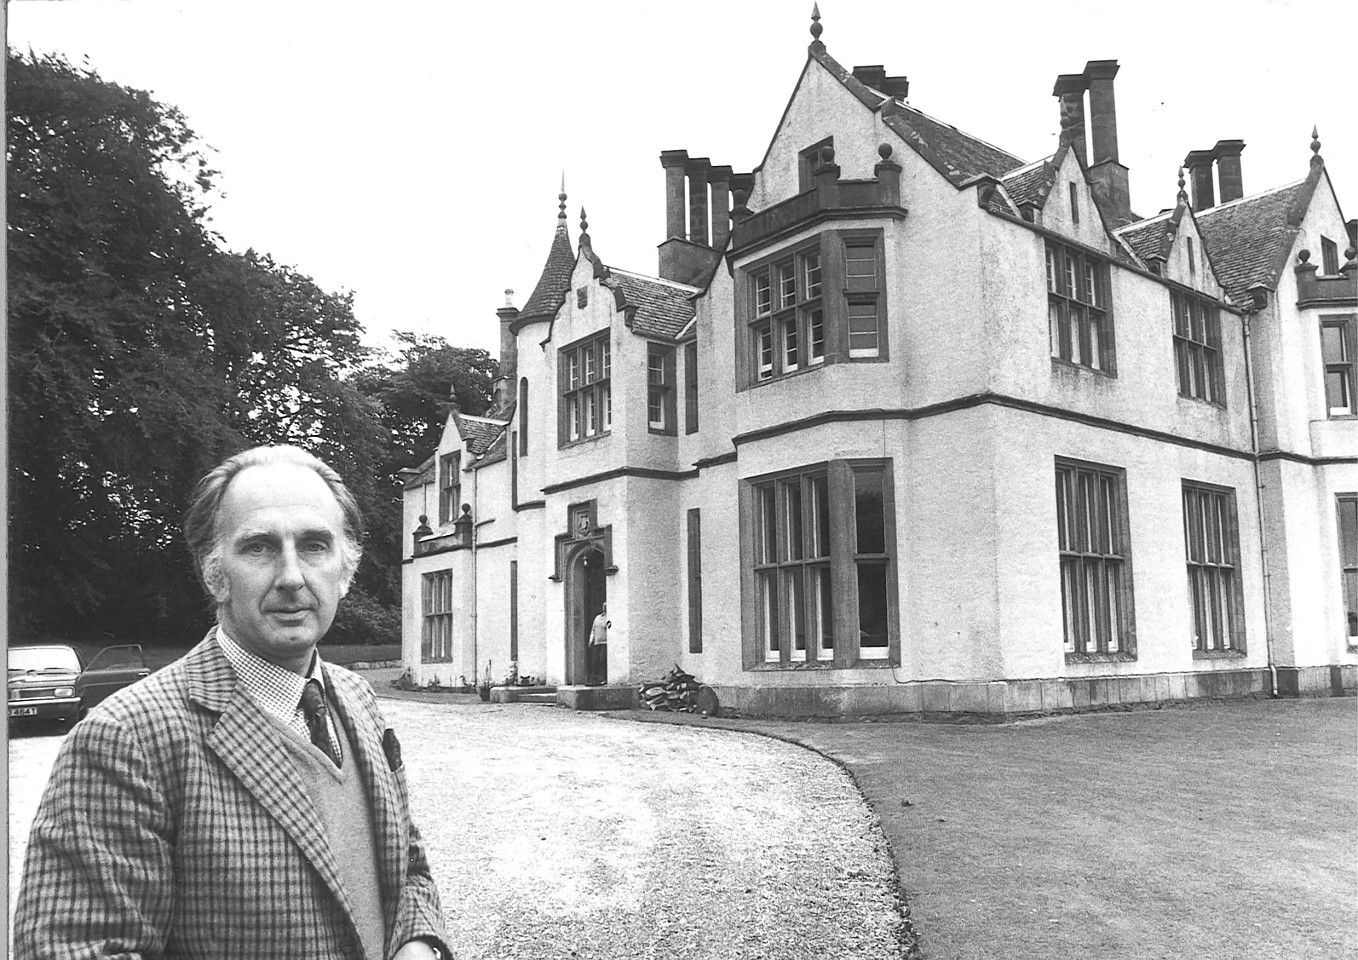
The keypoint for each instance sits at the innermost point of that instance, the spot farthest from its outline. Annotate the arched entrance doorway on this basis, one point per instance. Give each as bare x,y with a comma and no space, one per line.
587,592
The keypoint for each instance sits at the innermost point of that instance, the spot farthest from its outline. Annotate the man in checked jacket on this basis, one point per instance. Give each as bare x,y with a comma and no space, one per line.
247,801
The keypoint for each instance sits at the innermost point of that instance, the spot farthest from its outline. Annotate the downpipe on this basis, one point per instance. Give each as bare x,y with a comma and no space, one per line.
1259,504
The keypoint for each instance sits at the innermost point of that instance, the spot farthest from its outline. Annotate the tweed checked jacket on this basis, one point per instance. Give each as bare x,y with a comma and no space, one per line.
175,825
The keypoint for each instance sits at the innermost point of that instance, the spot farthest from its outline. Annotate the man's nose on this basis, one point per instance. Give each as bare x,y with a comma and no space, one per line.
289,569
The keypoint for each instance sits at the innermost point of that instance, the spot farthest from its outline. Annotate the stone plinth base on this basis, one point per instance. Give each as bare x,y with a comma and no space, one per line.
542,694
609,697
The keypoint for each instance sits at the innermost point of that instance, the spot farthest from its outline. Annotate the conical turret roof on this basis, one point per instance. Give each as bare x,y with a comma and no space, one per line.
555,280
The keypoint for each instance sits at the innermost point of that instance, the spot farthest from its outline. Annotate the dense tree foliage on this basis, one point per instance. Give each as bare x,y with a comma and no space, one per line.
142,352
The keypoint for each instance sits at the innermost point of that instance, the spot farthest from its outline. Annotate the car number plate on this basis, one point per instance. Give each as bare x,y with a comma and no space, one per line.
23,711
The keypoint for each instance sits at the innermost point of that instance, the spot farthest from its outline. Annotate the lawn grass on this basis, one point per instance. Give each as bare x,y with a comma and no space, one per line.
1214,830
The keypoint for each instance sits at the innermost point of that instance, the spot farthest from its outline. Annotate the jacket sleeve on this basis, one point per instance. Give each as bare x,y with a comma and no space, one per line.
419,915
98,873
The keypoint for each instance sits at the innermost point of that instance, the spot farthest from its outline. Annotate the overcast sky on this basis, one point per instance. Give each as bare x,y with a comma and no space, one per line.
412,151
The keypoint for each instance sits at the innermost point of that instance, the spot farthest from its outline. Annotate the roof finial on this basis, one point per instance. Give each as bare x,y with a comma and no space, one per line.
1183,194
584,224
561,200
1315,146
816,28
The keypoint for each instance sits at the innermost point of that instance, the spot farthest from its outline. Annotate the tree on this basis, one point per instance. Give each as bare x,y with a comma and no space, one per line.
142,353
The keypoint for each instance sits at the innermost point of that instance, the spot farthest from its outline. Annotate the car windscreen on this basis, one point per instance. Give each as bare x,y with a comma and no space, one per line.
118,658
43,659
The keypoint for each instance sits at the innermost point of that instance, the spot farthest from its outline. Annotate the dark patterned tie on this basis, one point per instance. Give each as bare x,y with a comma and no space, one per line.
317,719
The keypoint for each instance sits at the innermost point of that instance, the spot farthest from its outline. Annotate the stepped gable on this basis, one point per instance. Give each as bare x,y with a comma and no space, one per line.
1249,239
956,155
555,281
654,308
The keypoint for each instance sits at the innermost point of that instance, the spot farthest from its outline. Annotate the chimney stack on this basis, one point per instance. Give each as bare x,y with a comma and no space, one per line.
509,350
697,199
1109,177
720,180
676,200
1198,163
1070,88
1228,169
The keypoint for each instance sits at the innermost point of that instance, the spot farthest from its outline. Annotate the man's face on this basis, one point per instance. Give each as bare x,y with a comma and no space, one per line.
280,530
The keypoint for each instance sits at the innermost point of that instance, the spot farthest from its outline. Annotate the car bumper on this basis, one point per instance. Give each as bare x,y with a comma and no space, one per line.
47,709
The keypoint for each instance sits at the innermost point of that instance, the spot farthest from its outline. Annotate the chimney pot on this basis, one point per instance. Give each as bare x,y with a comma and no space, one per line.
1103,118
873,75
1198,163
697,169
1229,174
675,201
719,178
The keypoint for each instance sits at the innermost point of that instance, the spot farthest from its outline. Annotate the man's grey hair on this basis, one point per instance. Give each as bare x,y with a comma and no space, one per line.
201,521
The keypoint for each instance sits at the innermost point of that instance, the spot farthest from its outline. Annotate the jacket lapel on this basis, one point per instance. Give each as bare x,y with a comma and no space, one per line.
244,737
378,778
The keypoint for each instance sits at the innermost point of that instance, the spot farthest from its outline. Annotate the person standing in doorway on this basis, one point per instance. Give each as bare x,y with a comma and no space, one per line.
598,648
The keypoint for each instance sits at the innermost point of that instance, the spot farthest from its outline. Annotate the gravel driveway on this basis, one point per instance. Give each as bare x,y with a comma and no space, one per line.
557,834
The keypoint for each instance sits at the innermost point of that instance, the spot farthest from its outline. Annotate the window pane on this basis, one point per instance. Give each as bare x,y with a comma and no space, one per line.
790,343
1332,343
1095,340
863,334
822,610
573,417
767,587
606,402
872,609
764,347
796,611
868,511
1348,531
1063,539
815,332
820,516
591,368
655,369
1337,391
766,542
1092,284
763,298
792,511
1113,572
572,370
787,286
1052,286
811,262
1068,565
591,414
1056,329
1351,601
607,362
860,266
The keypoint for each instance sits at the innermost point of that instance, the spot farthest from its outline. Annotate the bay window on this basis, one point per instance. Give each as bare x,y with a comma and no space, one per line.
586,409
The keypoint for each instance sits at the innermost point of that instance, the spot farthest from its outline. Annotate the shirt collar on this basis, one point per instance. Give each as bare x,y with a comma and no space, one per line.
277,690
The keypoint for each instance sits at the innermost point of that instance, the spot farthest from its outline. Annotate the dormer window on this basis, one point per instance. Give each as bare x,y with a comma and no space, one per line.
1078,317
1197,348
1329,256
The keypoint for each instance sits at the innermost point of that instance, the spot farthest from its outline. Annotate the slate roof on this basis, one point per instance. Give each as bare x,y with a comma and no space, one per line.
656,308
1248,239
555,281
956,155
422,474
1030,184
479,433
1147,237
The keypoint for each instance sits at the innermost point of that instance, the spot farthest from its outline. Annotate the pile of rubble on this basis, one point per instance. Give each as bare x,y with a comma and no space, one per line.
679,692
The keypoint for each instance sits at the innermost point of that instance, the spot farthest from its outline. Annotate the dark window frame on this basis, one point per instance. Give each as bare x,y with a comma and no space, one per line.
1339,371
808,160
1095,561
802,598
1079,308
1348,561
1198,356
584,378
436,620
782,336
1329,257
660,392
691,387
450,486
523,416
1212,554
695,581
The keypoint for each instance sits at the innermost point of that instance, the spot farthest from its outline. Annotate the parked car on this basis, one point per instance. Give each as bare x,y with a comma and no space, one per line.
50,682
41,683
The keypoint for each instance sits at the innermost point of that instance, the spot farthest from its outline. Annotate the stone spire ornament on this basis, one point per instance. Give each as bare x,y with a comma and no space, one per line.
561,200
1315,147
816,28
1182,194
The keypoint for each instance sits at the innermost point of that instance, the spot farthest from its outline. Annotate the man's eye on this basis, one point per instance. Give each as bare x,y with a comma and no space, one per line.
317,547
256,549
